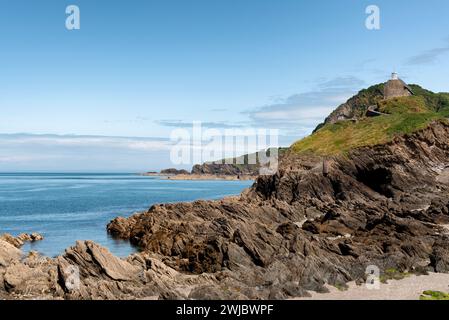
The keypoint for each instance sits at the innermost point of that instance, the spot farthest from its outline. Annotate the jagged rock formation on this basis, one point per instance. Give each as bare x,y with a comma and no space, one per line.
20,240
296,230
89,271
385,205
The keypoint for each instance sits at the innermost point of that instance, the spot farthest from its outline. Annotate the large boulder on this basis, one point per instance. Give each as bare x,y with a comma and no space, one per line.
94,260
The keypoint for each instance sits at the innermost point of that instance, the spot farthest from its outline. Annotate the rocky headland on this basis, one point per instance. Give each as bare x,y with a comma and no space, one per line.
239,168
335,207
300,229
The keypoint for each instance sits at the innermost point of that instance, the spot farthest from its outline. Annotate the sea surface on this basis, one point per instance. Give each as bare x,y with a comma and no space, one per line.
65,207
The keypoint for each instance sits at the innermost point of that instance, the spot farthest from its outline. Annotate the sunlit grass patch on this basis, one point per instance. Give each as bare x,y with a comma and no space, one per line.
434,295
405,116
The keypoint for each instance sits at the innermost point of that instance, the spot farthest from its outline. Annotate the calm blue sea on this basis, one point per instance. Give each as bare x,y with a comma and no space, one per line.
69,207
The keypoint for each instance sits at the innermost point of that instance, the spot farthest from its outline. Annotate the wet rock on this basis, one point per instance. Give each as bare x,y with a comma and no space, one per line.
20,240
36,237
16,242
119,227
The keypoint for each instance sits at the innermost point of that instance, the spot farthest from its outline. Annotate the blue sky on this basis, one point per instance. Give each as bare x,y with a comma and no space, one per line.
84,100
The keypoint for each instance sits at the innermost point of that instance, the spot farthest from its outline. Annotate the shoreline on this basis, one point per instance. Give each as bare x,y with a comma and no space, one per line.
194,177
89,213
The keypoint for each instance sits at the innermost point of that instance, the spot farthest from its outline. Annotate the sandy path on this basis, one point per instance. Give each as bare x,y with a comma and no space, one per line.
409,288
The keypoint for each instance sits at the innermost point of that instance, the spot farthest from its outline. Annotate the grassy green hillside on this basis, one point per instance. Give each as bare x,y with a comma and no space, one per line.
403,115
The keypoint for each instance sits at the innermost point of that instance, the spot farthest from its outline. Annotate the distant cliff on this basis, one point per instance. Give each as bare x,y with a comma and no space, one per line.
242,166
171,171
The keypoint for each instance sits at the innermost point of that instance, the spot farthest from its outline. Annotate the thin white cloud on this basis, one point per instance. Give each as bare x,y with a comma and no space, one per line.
25,152
27,158
302,112
29,152
429,56
205,124
84,141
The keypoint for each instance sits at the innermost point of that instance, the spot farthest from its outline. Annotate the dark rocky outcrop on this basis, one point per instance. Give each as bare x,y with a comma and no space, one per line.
89,271
224,169
173,171
299,229
248,165
20,240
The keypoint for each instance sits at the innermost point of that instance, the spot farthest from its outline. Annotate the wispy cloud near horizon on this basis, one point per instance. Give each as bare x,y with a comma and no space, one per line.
428,56
50,152
154,143
303,111
205,124
77,153
296,115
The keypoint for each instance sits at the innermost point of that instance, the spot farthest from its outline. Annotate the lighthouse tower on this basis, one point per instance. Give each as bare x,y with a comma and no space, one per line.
395,87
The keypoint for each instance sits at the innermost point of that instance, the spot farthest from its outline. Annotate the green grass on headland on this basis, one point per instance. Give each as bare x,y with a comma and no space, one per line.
404,116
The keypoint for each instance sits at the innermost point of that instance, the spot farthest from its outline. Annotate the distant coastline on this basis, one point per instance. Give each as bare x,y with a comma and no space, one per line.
191,176
239,168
